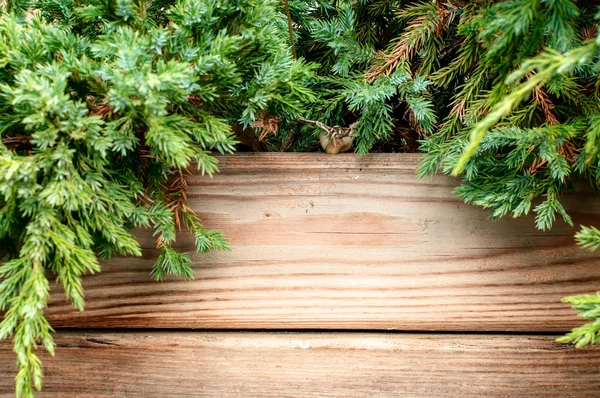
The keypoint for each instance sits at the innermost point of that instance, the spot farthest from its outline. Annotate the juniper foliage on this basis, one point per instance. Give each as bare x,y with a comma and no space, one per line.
103,106
344,37
515,86
529,128
105,103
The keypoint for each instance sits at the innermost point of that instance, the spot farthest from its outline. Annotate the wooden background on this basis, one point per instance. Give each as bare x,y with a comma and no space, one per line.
349,277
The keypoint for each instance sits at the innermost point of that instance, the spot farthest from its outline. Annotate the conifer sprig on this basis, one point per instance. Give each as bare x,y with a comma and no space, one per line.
511,104
103,106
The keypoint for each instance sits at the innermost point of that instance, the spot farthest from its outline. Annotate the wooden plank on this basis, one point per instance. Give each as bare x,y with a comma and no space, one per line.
348,242
308,364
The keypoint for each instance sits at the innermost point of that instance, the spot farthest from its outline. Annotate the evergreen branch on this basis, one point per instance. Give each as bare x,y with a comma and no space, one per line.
588,307
589,238
101,106
547,65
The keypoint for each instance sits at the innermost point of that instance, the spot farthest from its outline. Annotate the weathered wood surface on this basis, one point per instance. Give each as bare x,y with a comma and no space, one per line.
311,365
346,242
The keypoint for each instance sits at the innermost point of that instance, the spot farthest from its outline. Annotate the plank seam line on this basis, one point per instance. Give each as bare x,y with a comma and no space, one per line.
308,330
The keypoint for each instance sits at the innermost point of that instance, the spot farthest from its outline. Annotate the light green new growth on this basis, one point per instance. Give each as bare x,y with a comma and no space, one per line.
103,105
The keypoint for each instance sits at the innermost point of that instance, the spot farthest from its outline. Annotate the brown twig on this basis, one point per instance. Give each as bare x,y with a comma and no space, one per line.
268,123
17,141
541,97
289,21
320,125
406,48
176,200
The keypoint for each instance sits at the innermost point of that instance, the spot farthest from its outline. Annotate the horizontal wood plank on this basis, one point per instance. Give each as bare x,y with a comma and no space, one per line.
147,364
347,242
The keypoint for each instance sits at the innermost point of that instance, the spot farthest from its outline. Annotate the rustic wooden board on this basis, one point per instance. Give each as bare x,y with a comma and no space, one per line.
174,364
347,242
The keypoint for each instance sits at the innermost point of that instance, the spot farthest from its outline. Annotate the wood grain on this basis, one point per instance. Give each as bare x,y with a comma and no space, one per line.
348,242
177,364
